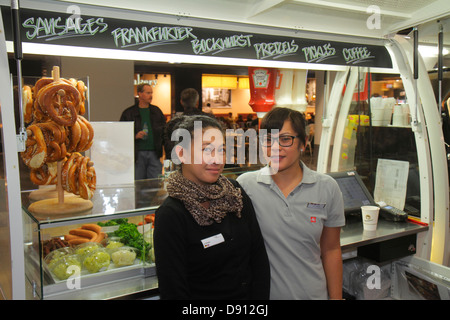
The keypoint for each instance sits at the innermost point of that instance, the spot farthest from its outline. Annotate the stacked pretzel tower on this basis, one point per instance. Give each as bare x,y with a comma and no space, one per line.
57,134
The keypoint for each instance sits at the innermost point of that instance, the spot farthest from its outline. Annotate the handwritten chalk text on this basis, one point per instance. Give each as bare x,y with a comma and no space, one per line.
216,45
275,50
54,28
124,37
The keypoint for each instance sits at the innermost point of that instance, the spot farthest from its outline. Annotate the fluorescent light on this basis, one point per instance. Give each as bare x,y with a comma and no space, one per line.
431,51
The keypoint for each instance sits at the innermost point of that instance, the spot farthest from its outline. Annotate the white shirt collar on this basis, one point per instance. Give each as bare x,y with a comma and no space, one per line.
309,176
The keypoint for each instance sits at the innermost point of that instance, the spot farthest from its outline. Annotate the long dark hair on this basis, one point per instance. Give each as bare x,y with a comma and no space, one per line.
275,118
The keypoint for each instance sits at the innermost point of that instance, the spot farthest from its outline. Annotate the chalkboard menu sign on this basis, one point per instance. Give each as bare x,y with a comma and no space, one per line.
144,36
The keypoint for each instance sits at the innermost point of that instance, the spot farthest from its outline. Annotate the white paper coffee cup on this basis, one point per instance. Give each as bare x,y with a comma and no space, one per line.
370,217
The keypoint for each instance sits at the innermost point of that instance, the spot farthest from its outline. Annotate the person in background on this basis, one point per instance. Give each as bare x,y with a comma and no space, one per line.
149,122
300,213
240,121
189,99
230,121
207,240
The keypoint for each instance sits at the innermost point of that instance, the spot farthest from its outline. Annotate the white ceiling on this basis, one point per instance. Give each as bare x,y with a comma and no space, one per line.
344,17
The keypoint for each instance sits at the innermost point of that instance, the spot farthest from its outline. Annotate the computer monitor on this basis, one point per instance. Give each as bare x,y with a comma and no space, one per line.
354,192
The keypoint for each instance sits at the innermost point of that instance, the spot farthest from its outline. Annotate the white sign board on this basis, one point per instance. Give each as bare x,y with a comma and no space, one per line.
391,182
113,152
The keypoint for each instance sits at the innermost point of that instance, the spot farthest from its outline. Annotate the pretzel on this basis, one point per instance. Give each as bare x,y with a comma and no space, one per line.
84,137
44,175
35,153
87,134
27,96
82,89
65,171
73,176
73,136
86,179
59,101
78,176
55,138
42,82
54,131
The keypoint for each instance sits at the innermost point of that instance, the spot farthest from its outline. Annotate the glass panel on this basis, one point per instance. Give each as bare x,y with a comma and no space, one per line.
386,134
143,196
125,249
33,265
5,243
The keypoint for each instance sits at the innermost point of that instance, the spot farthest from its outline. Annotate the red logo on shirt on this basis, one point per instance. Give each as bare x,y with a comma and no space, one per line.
313,219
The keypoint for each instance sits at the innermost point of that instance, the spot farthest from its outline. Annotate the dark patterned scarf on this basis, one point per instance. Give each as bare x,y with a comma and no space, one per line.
222,195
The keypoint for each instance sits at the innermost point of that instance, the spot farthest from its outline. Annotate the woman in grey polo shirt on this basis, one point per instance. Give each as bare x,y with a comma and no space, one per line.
300,213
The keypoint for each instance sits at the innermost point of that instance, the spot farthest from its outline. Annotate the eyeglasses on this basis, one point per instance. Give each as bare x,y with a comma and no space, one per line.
284,141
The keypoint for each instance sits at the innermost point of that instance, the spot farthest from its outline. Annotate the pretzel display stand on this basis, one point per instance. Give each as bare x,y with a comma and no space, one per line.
46,192
56,136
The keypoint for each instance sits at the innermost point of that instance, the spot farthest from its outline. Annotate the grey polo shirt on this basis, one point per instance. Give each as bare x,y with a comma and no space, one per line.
292,227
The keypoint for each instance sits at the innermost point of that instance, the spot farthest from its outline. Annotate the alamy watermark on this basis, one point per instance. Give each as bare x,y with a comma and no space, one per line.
241,147
374,280
374,20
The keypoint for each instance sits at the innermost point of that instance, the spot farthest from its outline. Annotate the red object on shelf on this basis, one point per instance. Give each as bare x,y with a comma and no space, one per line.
262,89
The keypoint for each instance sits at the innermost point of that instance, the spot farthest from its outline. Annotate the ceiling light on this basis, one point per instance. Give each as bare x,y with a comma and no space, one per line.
431,51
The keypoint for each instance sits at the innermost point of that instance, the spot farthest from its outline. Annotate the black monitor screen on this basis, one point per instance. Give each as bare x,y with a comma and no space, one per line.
354,192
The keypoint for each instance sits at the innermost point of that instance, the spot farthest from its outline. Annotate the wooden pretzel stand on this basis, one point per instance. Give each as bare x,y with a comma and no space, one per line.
57,201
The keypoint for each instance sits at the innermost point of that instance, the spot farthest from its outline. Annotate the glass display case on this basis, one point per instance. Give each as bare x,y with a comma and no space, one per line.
122,254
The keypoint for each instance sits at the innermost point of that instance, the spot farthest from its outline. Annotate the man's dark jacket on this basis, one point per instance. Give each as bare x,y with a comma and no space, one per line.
157,119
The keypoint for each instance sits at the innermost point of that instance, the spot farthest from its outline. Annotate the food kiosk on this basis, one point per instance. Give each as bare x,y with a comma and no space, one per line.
349,67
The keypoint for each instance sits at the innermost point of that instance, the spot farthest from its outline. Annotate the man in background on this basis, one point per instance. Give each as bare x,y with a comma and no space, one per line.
149,122
189,99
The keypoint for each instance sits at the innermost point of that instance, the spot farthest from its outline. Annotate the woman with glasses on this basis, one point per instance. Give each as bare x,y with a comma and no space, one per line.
300,213
208,244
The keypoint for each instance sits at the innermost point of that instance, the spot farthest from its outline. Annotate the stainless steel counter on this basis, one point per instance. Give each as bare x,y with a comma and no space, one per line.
353,235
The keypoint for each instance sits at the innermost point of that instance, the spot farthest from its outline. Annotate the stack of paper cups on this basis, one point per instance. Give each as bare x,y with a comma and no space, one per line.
406,114
388,105
398,116
377,110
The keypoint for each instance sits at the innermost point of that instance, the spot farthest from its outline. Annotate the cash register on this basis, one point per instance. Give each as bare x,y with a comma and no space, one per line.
356,194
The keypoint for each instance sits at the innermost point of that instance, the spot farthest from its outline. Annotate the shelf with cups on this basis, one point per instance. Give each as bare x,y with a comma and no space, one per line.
386,112
355,237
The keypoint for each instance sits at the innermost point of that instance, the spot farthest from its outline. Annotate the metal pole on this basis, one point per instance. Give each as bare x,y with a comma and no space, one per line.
416,69
440,65
18,55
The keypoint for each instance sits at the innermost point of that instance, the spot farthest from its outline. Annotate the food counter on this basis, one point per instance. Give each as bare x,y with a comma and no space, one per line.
127,205
133,203
353,235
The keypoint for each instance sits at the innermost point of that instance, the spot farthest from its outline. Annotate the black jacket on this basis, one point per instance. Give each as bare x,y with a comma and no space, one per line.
237,268
157,119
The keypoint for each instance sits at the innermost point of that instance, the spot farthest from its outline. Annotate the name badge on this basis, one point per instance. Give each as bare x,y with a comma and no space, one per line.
316,205
212,241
